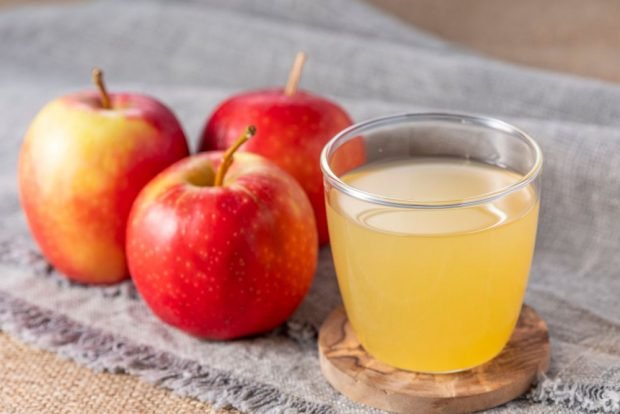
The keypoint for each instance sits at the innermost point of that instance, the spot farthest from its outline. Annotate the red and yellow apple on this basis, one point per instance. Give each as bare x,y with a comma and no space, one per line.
85,158
222,249
295,125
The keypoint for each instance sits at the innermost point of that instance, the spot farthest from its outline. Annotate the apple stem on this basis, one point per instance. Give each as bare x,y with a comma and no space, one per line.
295,74
97,77
227,159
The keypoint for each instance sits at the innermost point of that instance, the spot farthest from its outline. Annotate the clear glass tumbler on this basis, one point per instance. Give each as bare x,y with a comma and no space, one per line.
432,221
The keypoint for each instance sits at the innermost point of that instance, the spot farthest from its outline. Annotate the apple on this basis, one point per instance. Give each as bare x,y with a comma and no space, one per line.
85,158
222,249
295,125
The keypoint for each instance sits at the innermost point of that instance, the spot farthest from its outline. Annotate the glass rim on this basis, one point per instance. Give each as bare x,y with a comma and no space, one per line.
453,118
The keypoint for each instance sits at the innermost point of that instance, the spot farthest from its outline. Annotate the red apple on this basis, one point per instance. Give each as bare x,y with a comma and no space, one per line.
222,253
84,159
294,126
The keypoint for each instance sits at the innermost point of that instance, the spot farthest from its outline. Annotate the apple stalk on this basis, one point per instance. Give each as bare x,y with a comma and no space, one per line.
97,78
295,74
227,159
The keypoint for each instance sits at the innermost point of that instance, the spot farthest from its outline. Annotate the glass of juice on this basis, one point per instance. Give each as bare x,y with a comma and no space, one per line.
432,221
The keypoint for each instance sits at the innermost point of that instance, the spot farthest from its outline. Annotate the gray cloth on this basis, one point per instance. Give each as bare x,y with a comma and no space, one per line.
192,54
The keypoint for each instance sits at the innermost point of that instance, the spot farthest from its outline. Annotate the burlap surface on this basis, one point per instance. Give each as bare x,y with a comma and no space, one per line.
35,381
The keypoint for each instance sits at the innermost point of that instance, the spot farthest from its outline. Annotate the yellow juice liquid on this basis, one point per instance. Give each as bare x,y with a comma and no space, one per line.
433,290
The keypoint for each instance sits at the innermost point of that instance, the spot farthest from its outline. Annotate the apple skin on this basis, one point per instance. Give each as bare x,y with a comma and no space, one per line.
293,131
80,168
222,262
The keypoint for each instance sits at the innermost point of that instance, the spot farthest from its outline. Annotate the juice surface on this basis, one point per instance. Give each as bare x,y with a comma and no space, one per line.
433,290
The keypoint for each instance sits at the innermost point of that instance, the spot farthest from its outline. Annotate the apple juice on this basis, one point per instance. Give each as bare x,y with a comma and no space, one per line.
433,290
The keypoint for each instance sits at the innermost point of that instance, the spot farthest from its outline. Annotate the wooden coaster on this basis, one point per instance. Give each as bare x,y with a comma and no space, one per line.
356,374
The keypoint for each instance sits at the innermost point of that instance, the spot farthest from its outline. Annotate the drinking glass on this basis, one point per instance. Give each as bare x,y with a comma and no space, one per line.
432,221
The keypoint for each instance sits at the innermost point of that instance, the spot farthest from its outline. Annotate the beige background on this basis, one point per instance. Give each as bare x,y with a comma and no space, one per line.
581,37
576,36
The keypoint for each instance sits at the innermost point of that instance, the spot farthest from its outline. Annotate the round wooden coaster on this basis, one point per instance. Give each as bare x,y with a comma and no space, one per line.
356,374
